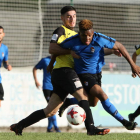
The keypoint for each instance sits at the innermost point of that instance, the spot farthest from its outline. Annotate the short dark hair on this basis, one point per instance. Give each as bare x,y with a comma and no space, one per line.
1,28
85,24
66,9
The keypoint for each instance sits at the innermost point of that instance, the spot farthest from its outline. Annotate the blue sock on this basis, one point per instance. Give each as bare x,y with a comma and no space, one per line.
73,101
54,121
50,123
111,109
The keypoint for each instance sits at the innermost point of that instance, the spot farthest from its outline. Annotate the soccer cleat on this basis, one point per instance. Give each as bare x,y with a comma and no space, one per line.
18,131
49,130
97,131
131,118
57,130
129,125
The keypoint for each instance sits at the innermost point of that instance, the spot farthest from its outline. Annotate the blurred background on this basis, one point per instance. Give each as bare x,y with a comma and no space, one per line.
29,25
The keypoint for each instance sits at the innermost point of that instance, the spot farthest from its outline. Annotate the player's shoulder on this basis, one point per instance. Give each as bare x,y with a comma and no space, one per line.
4,45
59,30
99,36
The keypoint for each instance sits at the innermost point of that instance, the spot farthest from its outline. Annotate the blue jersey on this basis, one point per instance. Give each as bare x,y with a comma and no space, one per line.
42,64
3,55
92,56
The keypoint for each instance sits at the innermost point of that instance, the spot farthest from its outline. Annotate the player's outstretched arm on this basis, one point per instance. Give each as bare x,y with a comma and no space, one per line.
57,50
111,51
124,52
134,57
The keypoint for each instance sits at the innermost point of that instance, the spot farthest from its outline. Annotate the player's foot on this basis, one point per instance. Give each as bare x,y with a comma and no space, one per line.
57,130
129,125
49,130
18,131
131,118
97,131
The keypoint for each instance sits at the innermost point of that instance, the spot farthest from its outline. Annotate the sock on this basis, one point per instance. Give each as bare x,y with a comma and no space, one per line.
89,123
32,118
50,123
137,112
54,121
73,101
111,109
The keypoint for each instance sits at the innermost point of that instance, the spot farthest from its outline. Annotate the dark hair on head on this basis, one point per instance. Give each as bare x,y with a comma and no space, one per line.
66,9
85,24
1,28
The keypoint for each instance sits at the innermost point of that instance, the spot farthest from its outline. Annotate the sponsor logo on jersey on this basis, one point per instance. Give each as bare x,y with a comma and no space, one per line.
54,37
2,54
92,49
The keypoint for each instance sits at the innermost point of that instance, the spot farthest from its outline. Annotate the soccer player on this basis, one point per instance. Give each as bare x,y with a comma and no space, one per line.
4,59
89,45
132,116
64,80
47,88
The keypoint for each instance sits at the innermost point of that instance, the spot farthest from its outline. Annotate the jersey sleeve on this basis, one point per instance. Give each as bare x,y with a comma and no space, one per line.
138,51
106,41
57,34
39,65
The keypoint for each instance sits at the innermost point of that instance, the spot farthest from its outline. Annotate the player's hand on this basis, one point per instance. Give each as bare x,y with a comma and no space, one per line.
9,67
135,71
74,55
49,68
134,75
38,85
117,52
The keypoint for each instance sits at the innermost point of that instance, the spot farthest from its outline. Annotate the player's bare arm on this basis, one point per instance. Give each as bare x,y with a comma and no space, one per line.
57,50
111,51
7,66
124,52
134,57
38,85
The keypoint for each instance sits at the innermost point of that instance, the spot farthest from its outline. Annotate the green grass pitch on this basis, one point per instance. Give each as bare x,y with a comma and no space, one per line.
68,136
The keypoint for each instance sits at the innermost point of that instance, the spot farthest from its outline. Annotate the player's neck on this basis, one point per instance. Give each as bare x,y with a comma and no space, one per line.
71,28
0,44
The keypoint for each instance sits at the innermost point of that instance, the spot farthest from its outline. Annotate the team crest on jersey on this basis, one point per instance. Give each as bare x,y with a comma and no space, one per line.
54,37
92,49
2,54
86,83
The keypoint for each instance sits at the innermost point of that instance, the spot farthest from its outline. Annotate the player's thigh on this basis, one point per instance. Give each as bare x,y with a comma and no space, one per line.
54,104
97,91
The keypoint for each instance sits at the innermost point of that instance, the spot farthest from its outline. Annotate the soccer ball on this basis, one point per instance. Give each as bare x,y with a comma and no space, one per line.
76,115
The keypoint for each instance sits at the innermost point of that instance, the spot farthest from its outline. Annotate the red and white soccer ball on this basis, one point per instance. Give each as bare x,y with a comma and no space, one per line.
76,115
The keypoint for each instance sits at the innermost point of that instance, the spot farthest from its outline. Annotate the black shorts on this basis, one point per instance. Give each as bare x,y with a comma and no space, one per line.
65,81
1,92
47,94
89,80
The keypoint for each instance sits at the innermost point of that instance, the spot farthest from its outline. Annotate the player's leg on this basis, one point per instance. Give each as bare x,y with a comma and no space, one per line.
50,124
110,108
54,121
1,93
93,87
132,116
47,94
76,89
53,106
